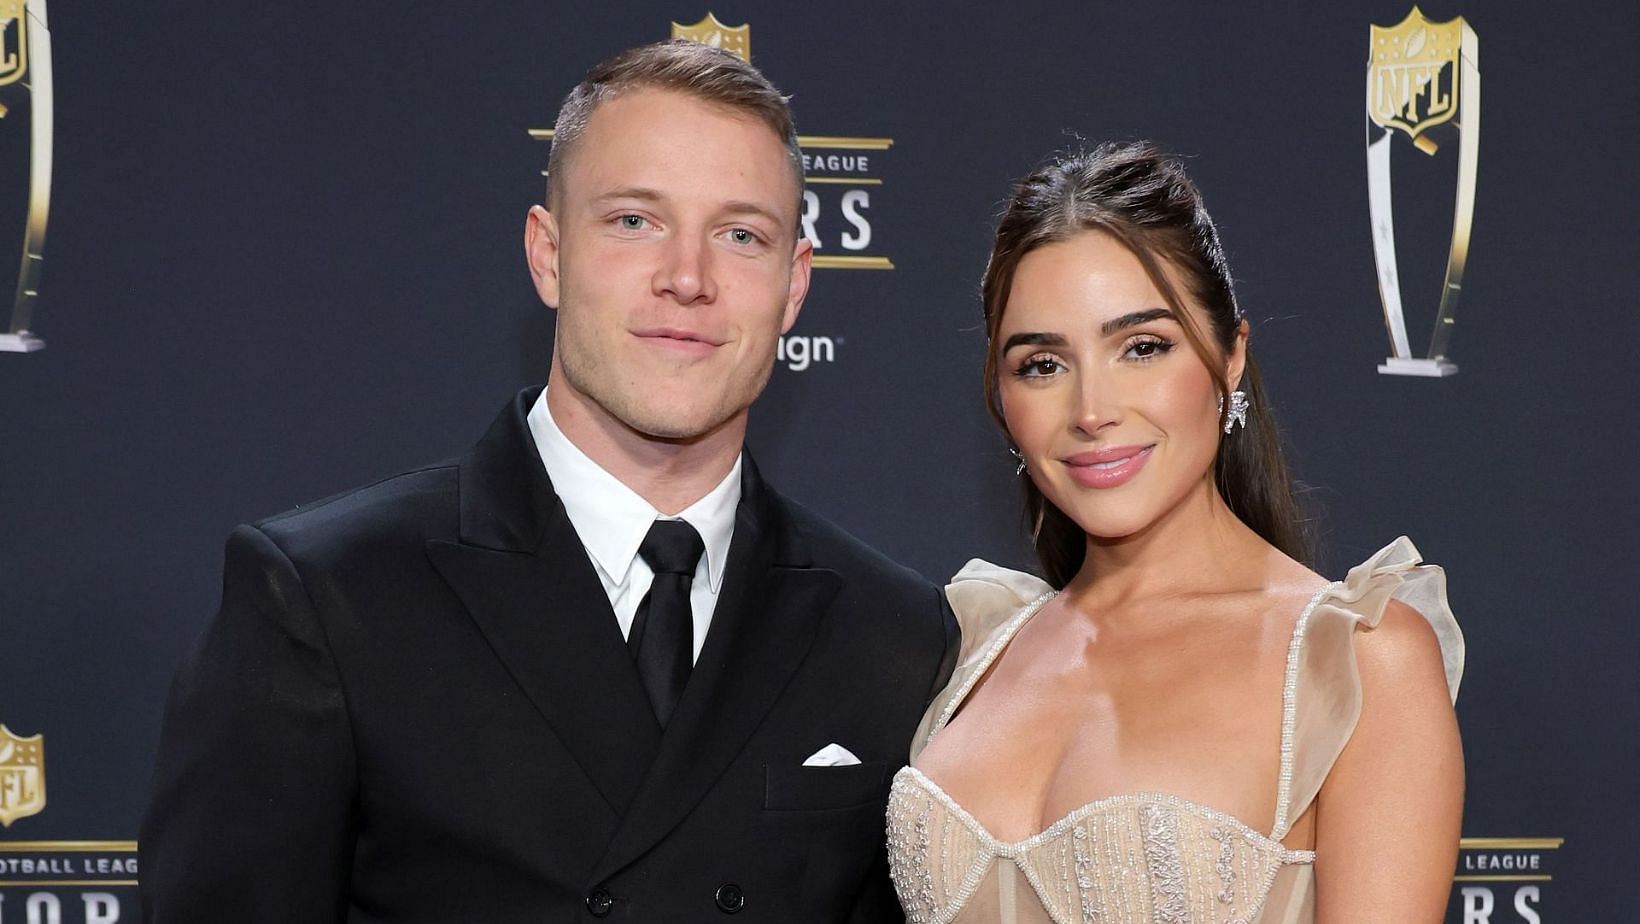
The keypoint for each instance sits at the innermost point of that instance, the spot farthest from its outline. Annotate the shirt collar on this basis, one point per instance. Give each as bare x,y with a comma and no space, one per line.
612,519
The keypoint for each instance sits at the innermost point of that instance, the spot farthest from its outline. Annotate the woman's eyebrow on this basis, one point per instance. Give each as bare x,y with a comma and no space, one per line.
1134,319
1034,338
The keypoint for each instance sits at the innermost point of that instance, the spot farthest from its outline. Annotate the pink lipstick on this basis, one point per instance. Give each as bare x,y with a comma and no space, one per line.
1107,468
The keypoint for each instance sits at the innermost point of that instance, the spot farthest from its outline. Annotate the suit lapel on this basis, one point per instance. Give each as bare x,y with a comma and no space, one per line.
525,579
762,629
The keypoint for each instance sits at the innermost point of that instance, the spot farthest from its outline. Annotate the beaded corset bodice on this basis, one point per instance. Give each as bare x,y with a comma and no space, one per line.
1140,857
1147,857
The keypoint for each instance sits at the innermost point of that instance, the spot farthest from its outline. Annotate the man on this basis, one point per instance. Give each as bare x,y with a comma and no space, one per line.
597,668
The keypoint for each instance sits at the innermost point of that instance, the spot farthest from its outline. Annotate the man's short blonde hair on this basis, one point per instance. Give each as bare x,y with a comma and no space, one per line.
706,73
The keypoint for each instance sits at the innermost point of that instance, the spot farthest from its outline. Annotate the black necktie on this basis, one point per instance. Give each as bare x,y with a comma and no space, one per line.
663,631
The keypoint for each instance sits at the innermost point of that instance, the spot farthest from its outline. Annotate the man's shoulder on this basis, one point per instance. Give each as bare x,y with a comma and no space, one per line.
407,508
836,549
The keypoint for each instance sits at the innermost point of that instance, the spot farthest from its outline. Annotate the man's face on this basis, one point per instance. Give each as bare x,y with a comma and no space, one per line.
672,258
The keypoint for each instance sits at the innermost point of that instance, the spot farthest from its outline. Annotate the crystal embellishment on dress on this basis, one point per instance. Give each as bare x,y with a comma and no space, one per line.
909,860
1081,851
1167,884
1289,709
1225,866
925,884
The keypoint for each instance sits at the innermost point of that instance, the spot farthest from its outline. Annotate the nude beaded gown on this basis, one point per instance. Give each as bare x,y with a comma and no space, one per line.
1150,857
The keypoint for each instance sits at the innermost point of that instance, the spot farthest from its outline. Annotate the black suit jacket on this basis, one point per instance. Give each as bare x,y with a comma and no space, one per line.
415,705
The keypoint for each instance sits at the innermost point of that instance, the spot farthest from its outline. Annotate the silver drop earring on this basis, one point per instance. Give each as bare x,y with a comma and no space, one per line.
1238,410
1020,468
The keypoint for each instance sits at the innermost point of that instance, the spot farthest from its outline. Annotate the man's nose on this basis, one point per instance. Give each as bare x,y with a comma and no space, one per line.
685,272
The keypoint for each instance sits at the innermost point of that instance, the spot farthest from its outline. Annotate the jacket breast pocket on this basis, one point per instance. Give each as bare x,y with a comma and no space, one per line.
811,789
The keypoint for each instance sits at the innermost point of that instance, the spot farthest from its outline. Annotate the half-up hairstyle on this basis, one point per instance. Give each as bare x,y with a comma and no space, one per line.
1143,199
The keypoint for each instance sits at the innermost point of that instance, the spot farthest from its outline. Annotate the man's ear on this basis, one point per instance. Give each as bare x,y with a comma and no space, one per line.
541,252
802,266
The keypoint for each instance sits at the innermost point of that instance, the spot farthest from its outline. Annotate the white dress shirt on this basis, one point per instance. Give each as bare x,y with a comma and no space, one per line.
612,520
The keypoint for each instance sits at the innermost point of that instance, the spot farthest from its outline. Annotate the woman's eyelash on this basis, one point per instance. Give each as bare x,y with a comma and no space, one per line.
1156,346
1037,367
1143,348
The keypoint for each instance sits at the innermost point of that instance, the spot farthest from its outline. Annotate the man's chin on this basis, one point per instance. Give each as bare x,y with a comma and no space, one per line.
673,430
659,421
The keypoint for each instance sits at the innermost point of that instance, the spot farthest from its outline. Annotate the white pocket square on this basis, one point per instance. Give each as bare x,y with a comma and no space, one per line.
832,755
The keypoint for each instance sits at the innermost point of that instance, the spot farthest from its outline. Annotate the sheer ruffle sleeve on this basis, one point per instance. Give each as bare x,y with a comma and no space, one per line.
985,598
1323,684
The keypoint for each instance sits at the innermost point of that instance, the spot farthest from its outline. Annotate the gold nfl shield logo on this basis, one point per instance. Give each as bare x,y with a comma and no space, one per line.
13,42
736,40
22,776
1412,82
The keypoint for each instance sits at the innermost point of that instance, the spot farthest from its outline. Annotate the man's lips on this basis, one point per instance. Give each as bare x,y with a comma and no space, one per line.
677,338
1107,468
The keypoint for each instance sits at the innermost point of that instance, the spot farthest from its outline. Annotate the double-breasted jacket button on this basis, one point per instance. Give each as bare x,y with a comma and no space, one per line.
729,898
599,902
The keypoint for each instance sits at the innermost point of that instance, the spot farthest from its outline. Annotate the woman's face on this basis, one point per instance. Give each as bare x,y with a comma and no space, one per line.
1114,412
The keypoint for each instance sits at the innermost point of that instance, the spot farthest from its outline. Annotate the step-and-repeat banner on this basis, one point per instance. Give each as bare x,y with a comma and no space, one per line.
285,258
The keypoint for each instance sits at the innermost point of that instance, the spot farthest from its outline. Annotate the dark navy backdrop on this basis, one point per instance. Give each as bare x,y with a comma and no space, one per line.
285,258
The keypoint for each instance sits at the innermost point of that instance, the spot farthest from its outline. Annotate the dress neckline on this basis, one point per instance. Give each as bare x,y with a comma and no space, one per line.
1289,705
1017,849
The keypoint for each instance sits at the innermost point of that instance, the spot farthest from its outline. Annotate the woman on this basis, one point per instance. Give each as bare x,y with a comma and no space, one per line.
1184,723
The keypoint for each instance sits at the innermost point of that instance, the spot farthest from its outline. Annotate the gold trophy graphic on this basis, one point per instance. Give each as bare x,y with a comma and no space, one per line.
25,79
1421,75
22,776
736,40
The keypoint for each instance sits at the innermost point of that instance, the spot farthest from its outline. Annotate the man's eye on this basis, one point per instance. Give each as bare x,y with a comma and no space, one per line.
742,236
632,222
